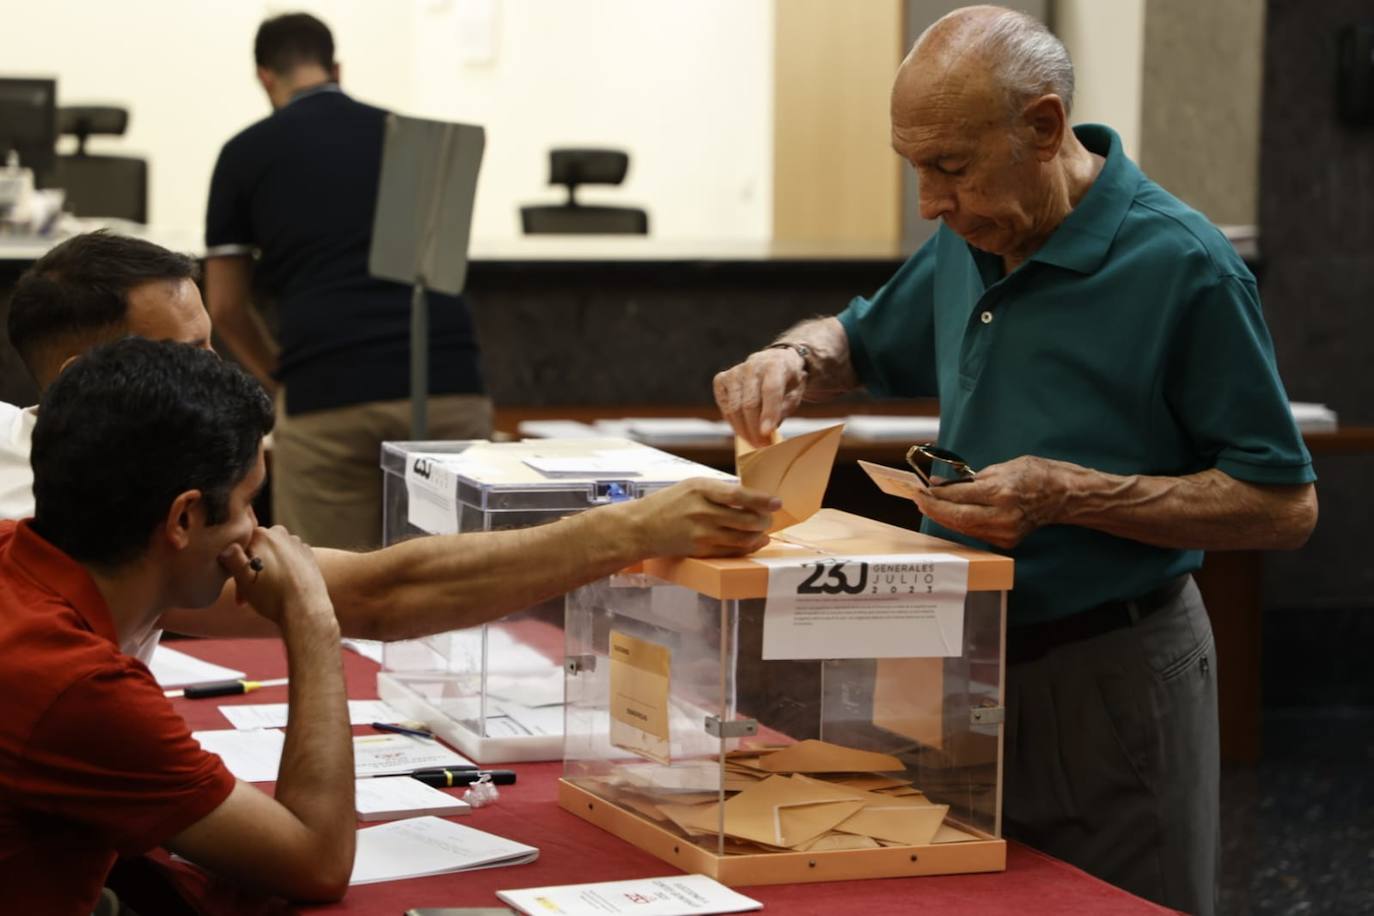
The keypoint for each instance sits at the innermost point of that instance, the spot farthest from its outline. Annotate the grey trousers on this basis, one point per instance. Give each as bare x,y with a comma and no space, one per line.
1112,758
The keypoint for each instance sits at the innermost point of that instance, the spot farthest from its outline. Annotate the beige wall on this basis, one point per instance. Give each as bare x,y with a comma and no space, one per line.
684,85
1200,106
1105,39
835,176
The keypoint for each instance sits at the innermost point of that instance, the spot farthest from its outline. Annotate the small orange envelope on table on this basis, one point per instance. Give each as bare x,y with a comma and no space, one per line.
795,470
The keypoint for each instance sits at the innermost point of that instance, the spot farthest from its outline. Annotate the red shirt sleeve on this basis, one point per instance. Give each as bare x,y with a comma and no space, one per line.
112,755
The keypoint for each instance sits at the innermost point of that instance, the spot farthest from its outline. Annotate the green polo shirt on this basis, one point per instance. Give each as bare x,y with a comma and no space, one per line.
1132,342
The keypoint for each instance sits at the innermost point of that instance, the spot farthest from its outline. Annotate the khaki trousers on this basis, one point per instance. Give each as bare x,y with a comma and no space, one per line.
326,473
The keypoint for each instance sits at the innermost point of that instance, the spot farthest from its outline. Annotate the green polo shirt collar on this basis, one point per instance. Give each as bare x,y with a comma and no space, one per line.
1082,240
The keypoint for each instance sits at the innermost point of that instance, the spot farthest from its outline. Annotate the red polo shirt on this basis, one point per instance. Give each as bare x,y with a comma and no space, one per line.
94,762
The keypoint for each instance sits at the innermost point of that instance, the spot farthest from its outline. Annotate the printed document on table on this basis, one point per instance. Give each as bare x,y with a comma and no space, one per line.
252,755
677,895
273,715
177,669
881,606
400,796
422,846
384,755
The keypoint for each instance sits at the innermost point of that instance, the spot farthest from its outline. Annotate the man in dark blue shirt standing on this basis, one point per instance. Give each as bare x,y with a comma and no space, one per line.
296,192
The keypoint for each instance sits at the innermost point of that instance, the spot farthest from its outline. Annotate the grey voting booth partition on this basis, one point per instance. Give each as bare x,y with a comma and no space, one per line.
422,226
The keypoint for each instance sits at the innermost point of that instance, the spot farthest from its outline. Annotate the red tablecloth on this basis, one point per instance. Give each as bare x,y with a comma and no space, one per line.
573,851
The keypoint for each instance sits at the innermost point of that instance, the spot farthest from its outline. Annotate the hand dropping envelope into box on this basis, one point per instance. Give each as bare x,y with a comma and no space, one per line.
795,470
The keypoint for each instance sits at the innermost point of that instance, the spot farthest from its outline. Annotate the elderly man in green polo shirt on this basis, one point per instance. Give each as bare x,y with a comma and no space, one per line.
1101,360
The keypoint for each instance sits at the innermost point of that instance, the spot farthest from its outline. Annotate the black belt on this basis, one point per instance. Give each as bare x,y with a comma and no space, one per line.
1033,640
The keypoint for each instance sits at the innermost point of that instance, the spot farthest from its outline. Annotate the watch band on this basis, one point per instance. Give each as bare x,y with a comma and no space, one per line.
800,349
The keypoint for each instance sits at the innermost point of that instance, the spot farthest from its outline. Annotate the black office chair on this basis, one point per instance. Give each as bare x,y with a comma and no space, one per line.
101,185
572,167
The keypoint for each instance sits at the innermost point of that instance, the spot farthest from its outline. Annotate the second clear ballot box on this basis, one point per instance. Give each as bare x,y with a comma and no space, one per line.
495,691
828,708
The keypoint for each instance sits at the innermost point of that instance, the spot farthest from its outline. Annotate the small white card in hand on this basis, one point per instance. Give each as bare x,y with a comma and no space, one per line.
391,797
422,846
383,755
678,895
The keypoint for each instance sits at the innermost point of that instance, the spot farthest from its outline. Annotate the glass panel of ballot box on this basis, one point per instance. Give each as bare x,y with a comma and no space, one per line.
828,708
495,691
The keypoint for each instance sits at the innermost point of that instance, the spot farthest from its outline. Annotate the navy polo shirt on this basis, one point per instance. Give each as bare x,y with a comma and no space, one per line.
1132,342
299,188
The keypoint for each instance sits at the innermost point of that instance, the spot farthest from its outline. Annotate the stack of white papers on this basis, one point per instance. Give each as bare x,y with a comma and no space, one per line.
273,715
679,895
881,428
557,429
1314,418
421,846
383,755
177,669
656,430
390,797
254,754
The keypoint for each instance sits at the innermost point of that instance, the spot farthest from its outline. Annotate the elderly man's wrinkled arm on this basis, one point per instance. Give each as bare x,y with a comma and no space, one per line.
1206,511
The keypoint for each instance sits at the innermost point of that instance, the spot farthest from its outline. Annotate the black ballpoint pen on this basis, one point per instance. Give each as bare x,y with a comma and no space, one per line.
224,688
443,778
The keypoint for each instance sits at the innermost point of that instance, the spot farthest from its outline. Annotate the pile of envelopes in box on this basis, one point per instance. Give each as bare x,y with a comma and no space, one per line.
807,796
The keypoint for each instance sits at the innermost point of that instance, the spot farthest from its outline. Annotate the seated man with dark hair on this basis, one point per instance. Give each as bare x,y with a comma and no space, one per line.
91,289
146,458
106,286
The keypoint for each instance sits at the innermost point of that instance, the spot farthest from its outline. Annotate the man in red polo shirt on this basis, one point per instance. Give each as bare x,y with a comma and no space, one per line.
147,458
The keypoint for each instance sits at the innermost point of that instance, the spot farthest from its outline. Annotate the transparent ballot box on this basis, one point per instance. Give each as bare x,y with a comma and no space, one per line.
828,708
496,691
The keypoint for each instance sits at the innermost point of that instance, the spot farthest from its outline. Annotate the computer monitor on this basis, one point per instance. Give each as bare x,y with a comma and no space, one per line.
28,123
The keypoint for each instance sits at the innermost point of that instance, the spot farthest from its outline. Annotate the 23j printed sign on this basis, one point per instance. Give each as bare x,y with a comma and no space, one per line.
865,607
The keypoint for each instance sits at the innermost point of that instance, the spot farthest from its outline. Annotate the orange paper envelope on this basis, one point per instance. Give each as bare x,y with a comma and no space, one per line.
693,820
783,812
948,834
812,756
894,481
795,470
914,825
831,841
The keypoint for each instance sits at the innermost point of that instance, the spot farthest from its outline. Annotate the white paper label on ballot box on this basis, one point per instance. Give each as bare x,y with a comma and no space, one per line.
865,606
431,495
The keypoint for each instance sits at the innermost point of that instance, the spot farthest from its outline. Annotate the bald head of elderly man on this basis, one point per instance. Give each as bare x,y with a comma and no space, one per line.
1101,361
980,108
